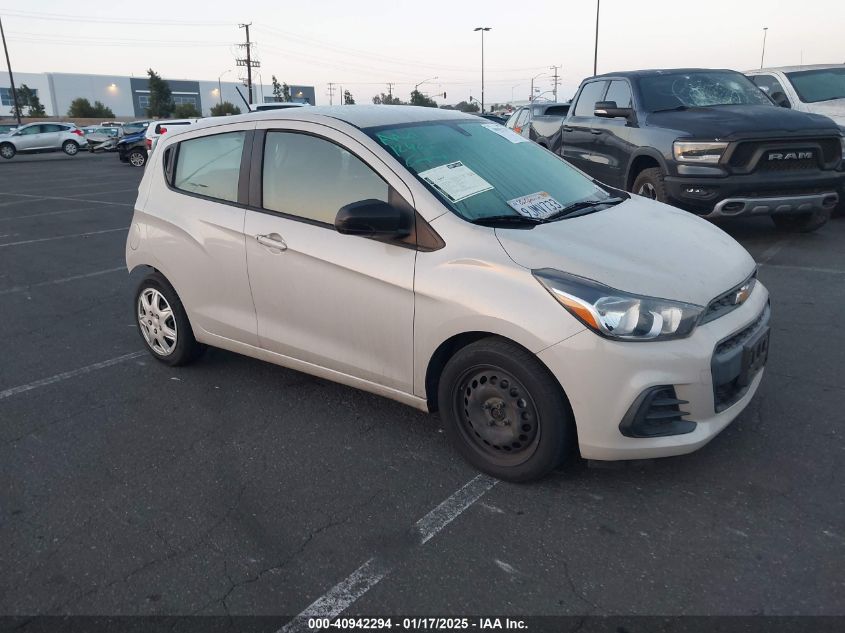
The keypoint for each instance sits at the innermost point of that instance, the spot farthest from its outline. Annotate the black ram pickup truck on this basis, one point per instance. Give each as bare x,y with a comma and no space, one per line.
708,141
539,122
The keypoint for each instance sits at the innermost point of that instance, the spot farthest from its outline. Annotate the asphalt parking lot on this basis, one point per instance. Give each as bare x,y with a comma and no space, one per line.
236,487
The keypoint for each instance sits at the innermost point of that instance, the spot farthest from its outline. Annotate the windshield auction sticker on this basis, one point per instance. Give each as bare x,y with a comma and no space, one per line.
455,181
536,205
505,132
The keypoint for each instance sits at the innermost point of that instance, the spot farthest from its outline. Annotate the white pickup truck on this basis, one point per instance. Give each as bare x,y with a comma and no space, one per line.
816,89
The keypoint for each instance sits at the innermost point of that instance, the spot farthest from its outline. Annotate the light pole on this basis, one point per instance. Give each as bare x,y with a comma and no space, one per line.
11,77
482,29
220,85
531,96
596,53
424,81
763,54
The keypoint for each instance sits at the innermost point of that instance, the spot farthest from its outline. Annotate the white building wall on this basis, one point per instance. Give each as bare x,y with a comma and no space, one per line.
38,81
113,91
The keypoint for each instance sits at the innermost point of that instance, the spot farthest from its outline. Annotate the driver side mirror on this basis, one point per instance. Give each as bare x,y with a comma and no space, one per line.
609,110
373,218
780,99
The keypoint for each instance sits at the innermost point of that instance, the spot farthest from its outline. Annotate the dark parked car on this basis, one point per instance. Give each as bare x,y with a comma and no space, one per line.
540,122
495,118
708,141
132,148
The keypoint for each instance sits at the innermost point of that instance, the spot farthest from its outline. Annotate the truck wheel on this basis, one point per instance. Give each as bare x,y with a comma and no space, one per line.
503,410
801,222
649,184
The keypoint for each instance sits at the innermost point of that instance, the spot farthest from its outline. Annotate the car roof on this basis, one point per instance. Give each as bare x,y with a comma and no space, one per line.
651,72
792,69
360,116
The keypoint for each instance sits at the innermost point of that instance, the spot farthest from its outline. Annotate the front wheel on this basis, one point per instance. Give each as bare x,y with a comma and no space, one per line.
163,323
137,158
70,148
801,222
504,411
649,184
7,150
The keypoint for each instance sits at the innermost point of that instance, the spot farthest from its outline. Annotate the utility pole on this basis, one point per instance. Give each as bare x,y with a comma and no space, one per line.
596,54
390,90
11,77
248,61
331,93
556,82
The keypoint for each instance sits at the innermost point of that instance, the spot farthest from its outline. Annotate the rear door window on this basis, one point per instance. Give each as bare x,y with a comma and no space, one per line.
590,94
210,165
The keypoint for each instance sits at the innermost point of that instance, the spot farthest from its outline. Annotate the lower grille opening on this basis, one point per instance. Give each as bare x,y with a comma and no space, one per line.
656,413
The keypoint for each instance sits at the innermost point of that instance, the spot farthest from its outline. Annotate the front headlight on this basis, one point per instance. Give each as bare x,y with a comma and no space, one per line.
698,152
619,315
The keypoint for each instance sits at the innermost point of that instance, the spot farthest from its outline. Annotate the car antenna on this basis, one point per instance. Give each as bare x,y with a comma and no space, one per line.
248,107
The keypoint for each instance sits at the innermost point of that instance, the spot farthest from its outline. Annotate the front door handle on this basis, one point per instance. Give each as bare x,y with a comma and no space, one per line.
594,131
273,240
566,128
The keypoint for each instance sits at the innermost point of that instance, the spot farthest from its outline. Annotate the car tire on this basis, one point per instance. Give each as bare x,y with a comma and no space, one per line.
801,222
163,324
7,151
71,148
649,184
137,158
504,411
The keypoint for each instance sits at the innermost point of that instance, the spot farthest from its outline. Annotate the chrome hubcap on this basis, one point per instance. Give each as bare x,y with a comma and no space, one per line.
157,322
6,150
70,148
647,190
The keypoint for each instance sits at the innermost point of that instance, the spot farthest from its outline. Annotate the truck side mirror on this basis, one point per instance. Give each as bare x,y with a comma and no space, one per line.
609,110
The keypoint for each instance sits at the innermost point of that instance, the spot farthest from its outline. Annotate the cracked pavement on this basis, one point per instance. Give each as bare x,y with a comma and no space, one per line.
237,487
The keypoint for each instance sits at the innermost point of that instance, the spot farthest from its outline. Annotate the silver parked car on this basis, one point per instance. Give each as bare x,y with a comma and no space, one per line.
43,137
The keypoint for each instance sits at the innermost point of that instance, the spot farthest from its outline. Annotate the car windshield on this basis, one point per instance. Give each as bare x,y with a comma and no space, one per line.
824,84
698,89
483,170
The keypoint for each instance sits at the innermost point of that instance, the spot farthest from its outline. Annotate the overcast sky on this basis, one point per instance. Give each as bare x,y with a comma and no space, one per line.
363,44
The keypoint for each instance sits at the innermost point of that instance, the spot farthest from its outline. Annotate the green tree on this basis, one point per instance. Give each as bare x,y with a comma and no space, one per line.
384,99
102,111
28,98
463,106
281,92
347,98
161,99
224,109
285,92
186,111
419,99
81,108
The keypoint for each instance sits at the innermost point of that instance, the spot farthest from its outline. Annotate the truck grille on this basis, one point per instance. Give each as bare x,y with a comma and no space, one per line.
748,156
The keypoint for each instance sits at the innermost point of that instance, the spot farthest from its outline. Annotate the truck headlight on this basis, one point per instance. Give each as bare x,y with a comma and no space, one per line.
619,315
698,151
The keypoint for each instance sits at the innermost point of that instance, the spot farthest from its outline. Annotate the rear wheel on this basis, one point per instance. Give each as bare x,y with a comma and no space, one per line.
649,184
163,323
7,150
801,222
137,158
503,410
70,148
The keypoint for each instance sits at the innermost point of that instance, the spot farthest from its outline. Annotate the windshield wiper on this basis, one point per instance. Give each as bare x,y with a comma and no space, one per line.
677,108
584,207
494,220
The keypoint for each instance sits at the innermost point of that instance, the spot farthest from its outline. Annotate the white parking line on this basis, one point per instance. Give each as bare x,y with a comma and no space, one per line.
63,237
340,597
807,269
62,212
27,195
61,281
68,374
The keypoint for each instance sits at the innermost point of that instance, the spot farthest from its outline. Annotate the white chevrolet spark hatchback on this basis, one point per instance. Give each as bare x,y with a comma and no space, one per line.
445,262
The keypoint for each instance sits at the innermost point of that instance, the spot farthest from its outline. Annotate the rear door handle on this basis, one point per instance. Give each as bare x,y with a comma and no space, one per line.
595,131
566,128
273,240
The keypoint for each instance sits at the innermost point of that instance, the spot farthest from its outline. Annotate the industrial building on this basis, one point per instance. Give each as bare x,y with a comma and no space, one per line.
129,96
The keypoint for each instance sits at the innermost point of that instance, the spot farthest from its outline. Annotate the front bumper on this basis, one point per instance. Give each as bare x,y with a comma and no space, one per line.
756,193
604,378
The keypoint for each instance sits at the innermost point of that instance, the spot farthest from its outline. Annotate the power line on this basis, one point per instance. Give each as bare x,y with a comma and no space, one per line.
63,17
248,61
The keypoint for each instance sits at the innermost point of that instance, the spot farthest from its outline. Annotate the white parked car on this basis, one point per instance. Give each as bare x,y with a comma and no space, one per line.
43,137
385,248
818,89
157,128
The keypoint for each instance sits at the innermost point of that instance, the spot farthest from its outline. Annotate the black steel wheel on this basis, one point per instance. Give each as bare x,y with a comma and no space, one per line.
504,411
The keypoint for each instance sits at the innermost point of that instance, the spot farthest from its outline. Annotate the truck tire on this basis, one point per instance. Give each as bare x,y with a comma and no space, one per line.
801,222
649,184
504,411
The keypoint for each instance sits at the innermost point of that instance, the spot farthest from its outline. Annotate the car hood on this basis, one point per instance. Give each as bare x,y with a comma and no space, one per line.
744,120
638,246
